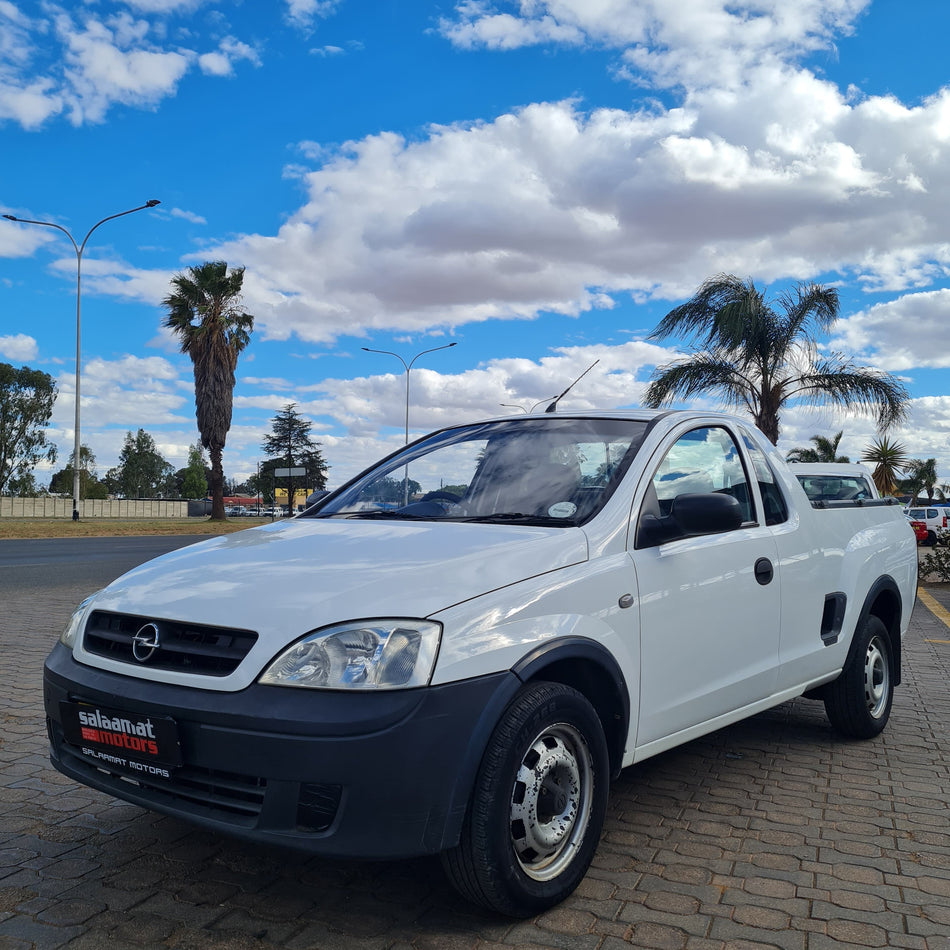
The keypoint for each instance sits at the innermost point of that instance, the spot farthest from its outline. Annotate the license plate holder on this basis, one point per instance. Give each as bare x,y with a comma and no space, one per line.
140,744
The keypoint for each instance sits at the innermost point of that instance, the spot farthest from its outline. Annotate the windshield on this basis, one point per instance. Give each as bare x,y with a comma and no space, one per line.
537,471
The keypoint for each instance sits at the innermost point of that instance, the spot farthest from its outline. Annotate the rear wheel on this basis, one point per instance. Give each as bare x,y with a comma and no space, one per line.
538,804
859,701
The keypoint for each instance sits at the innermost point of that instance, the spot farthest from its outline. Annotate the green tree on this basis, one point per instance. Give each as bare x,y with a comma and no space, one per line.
289,446
393,490
825,450
889,461
26,405
205,310
921,476
263,484
22,487
142,472
89,485
194,483
761,357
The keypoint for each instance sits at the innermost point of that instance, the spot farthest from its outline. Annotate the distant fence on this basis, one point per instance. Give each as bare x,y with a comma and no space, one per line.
47,507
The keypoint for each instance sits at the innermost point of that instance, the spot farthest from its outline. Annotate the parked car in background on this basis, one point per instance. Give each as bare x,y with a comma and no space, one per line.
920,531
933,516
835,481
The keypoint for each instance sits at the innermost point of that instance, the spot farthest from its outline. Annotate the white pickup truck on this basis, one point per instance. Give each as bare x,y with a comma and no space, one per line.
472,637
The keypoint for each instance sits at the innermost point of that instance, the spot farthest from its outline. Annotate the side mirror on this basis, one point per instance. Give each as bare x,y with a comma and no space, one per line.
692,514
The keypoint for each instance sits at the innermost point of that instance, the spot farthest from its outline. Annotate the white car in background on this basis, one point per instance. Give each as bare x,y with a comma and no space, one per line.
934,516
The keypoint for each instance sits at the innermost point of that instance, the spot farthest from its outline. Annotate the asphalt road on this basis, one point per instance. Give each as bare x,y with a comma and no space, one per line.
84,564
773,833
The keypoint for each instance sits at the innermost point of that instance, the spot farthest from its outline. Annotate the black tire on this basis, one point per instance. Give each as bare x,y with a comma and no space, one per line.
537,807
858,702
932,538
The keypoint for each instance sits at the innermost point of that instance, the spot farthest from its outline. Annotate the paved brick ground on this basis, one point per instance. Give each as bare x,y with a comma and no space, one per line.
772,833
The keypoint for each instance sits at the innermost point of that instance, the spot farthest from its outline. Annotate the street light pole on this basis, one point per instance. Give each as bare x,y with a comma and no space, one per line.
79,248
408,367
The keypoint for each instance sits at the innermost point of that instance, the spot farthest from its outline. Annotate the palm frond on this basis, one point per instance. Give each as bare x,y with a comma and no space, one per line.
838,381
698,375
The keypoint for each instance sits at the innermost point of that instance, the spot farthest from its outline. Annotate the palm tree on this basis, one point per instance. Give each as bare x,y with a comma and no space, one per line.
921,476
205,310
825,450
760,359
889,461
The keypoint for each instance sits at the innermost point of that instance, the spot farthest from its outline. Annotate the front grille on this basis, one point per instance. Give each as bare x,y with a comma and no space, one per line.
189,648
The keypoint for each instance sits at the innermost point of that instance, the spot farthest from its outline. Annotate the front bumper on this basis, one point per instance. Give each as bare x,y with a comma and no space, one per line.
369,775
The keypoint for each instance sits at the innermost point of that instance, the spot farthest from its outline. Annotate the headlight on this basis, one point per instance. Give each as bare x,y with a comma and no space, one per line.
76,623
371,654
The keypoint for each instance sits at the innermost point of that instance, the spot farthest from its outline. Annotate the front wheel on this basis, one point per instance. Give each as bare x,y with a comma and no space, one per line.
537,807
858,702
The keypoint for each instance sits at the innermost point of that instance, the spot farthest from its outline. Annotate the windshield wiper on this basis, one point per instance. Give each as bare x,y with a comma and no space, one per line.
383,513
517,517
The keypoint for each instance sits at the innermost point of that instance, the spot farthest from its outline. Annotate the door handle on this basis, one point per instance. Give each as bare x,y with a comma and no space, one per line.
764,572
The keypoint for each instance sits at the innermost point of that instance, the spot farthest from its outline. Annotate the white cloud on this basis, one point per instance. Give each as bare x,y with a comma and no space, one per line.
109,62
82,62
125,394
551,208
230,51
187,216
117,279
22,240
302,13
163,6
691,43
911,331
19,347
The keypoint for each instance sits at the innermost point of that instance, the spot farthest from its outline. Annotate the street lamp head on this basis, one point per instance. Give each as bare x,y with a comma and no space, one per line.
152,202
11,217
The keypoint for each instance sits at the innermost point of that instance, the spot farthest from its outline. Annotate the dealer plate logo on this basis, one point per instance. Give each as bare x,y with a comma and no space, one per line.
145,643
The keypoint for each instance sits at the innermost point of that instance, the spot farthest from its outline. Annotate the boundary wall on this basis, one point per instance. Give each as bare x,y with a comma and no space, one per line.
49,507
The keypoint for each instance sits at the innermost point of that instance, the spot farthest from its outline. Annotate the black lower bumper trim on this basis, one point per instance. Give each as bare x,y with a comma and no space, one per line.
371,775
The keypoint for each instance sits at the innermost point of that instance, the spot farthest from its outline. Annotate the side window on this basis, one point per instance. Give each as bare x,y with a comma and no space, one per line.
776,511
703,460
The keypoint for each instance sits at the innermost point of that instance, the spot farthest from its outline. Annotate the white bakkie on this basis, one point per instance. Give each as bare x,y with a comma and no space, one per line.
454,652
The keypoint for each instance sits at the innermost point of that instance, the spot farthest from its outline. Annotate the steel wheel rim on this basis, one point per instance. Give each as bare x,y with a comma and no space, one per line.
877,677
551,801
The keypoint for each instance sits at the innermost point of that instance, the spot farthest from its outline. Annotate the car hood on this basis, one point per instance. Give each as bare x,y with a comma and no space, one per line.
286,579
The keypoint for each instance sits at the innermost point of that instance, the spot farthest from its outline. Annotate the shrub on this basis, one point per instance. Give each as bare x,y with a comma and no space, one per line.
937,563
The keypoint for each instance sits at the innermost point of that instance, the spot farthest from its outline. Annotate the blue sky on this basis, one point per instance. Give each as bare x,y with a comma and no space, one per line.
538,182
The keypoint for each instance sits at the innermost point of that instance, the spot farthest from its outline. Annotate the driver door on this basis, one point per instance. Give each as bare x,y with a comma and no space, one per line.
710,606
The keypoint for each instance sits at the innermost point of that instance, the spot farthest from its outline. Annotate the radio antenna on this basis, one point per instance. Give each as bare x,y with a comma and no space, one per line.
553,406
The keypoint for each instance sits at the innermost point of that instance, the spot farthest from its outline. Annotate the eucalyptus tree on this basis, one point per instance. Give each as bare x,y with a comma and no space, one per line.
206,312
26,405
762,356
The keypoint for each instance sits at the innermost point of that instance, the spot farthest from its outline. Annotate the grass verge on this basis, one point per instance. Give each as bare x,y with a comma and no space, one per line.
26,528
